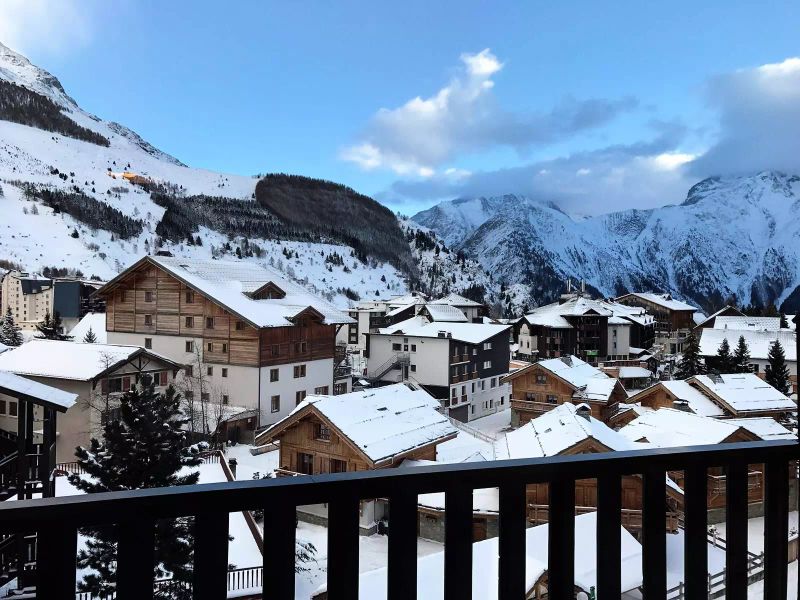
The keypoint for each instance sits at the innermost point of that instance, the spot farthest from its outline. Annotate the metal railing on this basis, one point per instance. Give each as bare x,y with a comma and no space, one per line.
56,520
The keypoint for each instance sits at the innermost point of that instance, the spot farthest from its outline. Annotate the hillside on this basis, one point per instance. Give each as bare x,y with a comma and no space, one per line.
734,238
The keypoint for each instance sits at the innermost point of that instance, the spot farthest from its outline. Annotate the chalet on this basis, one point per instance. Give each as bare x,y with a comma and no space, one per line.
666,428
461,364
540,387
710,321
594,330
359,431
95,373
759,340
372,585
570,429
245,333
673,319
744,395
632,377
678,394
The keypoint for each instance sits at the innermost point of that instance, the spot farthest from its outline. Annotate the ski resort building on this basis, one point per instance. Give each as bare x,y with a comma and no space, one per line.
540,387
673,319
96,374
461,364
246,335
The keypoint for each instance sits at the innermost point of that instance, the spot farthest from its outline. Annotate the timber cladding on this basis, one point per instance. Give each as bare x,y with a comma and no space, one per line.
151,301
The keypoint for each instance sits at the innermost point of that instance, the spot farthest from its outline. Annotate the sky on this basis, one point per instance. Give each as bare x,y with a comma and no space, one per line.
596,106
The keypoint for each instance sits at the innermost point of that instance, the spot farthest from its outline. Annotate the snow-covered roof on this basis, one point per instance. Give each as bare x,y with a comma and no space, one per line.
372,585
559,429
573,370
664,300
634,372
696,400
667,428
455,300
446,312
554,315
382,422
745,322
758,342
766,428
68,360
95,321
745,392
12,384
471,333
228,282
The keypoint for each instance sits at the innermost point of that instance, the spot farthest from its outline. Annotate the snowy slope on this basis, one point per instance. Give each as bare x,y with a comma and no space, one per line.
732,237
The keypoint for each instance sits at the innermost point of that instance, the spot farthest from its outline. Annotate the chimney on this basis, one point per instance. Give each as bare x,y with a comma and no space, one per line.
583,410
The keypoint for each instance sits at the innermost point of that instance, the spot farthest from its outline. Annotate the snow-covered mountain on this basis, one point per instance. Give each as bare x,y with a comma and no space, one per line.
77,191
734,237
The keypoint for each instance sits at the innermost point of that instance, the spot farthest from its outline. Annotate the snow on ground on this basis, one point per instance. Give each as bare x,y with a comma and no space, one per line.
248,464
755,531
494,425
756,590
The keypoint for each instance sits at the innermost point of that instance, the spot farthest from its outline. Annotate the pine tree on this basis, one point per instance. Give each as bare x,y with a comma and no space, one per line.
90,337
10,333
741,357
145,448
50,329
691,363
777,371
723,362
784,324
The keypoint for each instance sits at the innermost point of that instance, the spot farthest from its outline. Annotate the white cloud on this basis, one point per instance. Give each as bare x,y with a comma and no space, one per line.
46,25
464,117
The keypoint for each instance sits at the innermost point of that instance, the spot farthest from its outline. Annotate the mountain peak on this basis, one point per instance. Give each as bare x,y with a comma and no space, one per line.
16,68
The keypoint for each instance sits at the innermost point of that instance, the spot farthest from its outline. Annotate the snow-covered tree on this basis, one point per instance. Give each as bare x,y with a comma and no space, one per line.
691,362
90,337
777,371
723,362
10,333
146,447
52,328
741,357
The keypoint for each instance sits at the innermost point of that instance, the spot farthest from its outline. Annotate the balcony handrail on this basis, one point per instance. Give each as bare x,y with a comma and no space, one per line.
318,489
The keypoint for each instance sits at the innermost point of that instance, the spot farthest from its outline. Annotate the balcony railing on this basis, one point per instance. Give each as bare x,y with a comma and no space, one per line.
56,520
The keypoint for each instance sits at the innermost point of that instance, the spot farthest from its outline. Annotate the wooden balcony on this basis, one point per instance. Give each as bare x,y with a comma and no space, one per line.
55,522
631,519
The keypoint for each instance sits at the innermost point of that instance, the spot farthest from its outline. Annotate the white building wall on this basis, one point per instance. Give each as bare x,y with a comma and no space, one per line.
483,397
430,358
319,374
619,341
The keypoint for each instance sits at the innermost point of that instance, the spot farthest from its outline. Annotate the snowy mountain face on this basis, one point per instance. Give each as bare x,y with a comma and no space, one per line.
733,238
80,192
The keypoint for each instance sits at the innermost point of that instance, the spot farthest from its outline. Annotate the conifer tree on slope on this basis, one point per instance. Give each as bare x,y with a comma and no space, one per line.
784,323
50,328
10,333
777,371
741,357
145,448
723,362
90,337
691,363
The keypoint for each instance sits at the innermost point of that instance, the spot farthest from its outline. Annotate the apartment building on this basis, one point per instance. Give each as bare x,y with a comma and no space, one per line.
245,333
673,319
459,363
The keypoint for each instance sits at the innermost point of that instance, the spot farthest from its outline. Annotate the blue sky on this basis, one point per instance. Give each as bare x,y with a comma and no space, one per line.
593,105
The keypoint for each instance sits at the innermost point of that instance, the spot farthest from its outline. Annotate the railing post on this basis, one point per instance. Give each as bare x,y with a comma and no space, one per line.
609,522
654,541
511,580
57,545
210,571
280,521
695,545
458,543
561,540
343,545
135,559
402,559
776,526
736,531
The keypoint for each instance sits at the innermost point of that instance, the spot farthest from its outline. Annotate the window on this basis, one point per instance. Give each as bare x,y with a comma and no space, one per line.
276,350
322,432
209,371
123,296
487,364
209,322
189,371
413,368
491,403
2,407
148,296
189,297
12,409
473,387
299,396
541,379
148,320
162,378
275,403
413,347
224,371
299,347
502,400
396,347
321,390
472,409
338,466
205,397
148,343
551,399
487,345
305,463
274,374
405,347
493,383
463,390
224,348
189,395
188,322
210,347
299,371
455,392
189,346
239,325
225,399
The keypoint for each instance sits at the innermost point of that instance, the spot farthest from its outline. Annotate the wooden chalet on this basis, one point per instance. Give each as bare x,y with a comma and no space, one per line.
540,387
670,315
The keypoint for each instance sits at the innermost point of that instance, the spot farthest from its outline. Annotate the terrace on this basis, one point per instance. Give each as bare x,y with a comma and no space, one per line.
56,522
